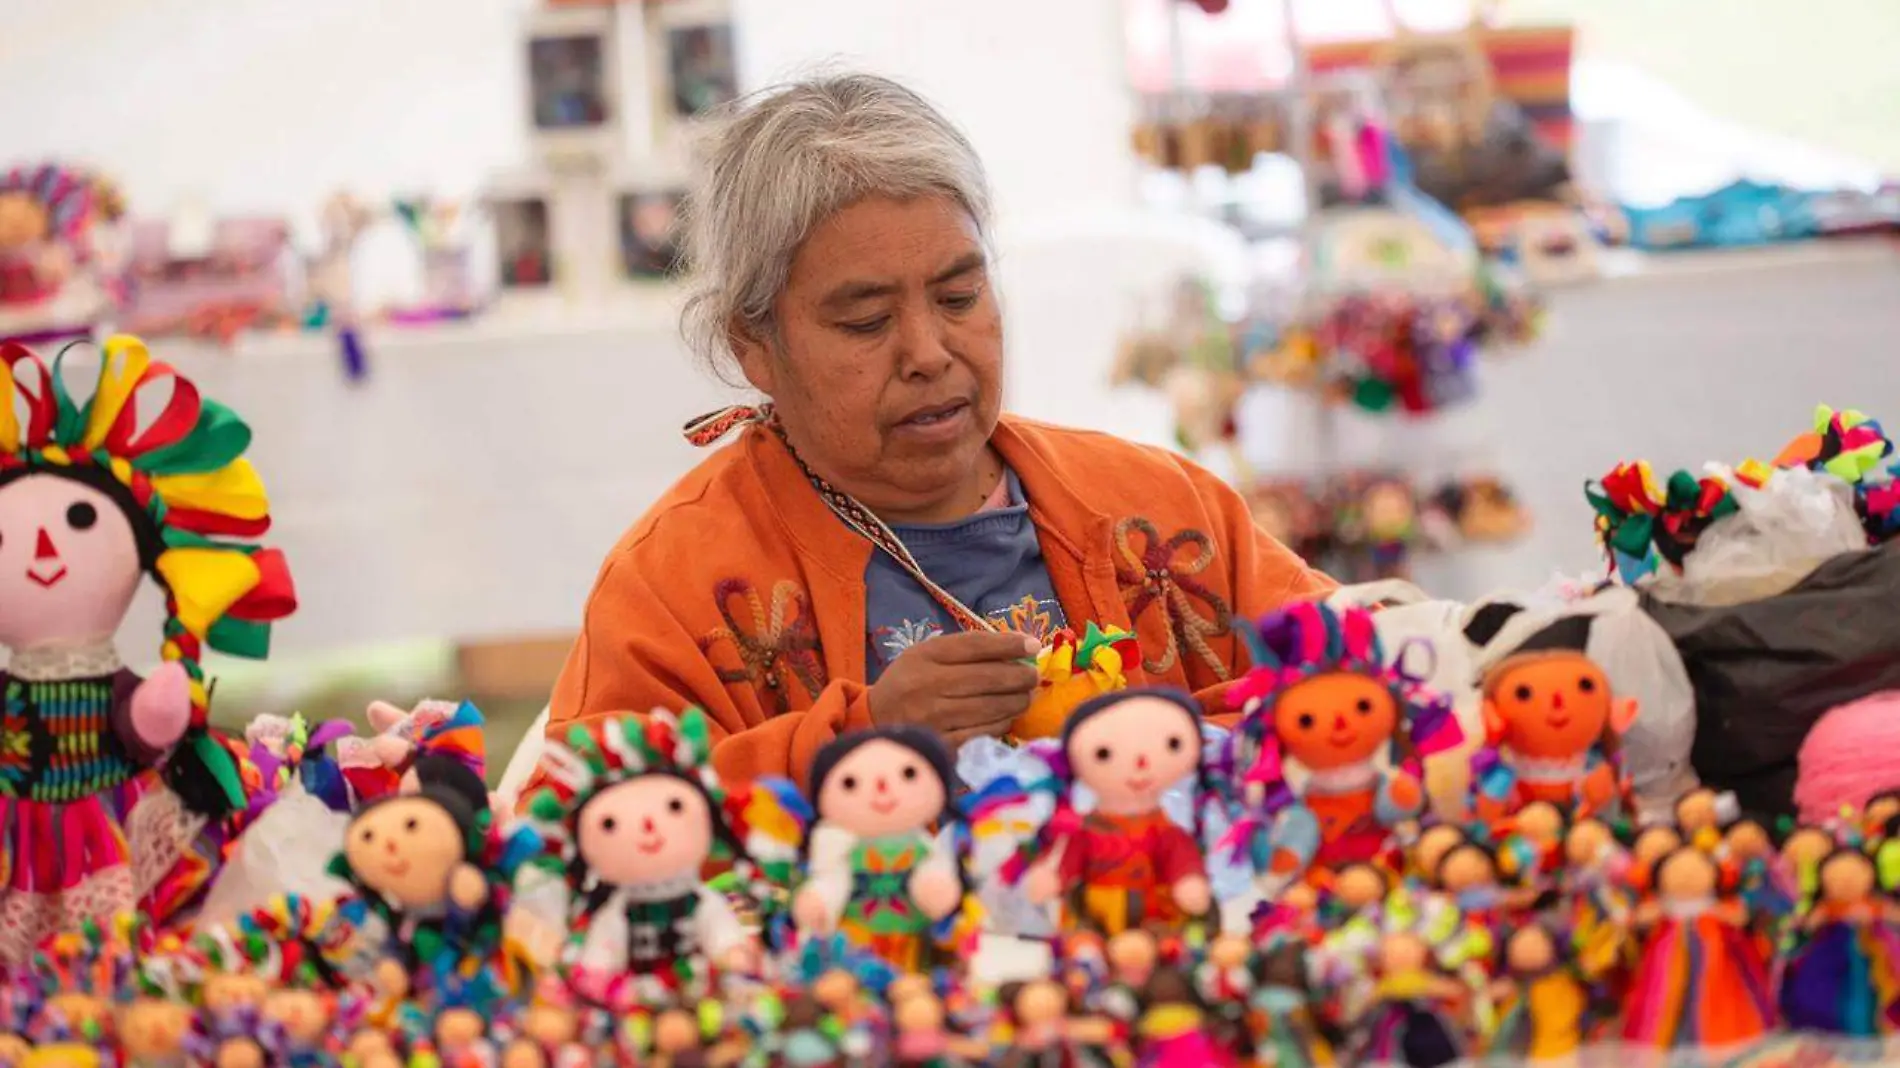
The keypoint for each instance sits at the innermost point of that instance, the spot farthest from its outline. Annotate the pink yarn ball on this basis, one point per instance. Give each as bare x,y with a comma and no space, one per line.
1851,754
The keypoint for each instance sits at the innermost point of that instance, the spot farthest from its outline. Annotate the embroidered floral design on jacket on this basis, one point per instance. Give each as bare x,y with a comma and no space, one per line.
1152,571
771,645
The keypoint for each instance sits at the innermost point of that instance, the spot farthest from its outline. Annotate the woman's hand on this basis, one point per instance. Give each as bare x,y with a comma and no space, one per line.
963,685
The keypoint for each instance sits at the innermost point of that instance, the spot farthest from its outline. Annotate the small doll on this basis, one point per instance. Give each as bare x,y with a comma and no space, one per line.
1431,846
1702,815
237,982
1174,1031
1286,1032
386,764
1543,1002
637,815
1700,981
299,1025
1416,1008
1125,863
876,872
152,1032
1070,672
1553,729
125,769
1843,977
1322,693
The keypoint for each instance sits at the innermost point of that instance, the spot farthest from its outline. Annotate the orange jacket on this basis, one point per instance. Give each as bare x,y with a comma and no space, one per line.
741,593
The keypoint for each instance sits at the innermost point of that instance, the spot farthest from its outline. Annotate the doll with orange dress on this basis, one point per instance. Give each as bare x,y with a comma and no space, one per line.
1699,981
1123,863
1323,695
1553,729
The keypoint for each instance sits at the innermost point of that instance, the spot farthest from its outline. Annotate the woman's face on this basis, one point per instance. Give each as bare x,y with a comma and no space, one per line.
887,363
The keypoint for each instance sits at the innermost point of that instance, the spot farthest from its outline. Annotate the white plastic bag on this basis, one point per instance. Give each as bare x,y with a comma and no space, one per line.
284,852
1780,533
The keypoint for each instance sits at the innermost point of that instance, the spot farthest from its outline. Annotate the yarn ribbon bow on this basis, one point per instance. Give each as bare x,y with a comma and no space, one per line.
1639,522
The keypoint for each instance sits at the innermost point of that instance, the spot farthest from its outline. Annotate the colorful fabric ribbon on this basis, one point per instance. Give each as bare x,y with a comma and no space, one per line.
1640,523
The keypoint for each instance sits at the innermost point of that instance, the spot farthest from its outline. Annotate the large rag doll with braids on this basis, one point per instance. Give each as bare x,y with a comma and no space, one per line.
114,793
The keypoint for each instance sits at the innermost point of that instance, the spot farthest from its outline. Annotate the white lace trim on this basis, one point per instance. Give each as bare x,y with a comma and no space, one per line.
55,662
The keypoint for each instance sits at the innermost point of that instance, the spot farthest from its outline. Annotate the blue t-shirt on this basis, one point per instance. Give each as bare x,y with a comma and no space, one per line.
991,562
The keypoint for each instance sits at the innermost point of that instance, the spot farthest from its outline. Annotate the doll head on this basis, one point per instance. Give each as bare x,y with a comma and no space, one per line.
1847,877
1229,951
45,203
1881,809
1530,949
445,773
1322,691
1587,843
406,848
1130,747
1432,845
1548,700
144,478
1748,839
633,801
232,992
883,782
1805,849
1687,874
1541,823
1402,951
151,1028
1360,885
303,1013
1467,866
675,1032
1040,1003
836,990
651,829
1132,955
1652,844
919,1014
1283,966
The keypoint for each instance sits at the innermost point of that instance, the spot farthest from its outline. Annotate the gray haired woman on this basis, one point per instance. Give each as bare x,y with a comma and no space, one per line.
881,544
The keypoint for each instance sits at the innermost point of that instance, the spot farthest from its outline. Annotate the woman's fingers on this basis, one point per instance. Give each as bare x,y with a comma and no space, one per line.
989,715
1003,679
980,647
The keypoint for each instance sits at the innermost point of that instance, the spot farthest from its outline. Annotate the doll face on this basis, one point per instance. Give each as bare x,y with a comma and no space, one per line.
1467,868
1748,840
1806,847
1654,844
1040,1002
406,850
1881,809
1403,953
919,1014
301,1013
1686,875
1433,843
230,993
1847,878
1334,721
69,563
1530,949
22,220
835,990
1551,705
1387,510
1585,843
1132,954
153,1027
1541,822
1695,811
550,1026
651,829
78,1010
1359,886
1131,753
880,789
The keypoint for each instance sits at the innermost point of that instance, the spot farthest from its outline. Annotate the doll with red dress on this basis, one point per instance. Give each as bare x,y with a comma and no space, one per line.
1124,862
1699,981
1323,695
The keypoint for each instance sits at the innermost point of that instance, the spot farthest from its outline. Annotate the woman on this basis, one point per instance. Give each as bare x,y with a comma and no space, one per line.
881,546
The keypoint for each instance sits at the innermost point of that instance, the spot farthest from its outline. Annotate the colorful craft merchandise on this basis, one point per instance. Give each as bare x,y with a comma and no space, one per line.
116,793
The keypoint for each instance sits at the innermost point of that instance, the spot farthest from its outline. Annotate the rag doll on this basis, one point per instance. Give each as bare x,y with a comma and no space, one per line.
1125,863
1543,1002
1173,1030
638,814
152,1032
230,1007
1700,981
1286,1032
1416,1011
1843,977
1553,730
45,214
386,763
438,874
1323,695
299,1024
115,794
875,870
1070,671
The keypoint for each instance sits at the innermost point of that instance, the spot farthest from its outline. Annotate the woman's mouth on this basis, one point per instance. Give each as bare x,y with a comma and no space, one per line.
937,422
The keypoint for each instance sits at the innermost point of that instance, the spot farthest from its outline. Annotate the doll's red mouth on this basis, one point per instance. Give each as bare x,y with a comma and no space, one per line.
397,868
1557,722
650,845
1140,783
47,581
884,806
1342,741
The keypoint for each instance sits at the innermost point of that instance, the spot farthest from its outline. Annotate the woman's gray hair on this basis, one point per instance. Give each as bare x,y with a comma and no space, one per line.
784,160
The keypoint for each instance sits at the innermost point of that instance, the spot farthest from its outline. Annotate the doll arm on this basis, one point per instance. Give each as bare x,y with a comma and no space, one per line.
604,942
1400,798
144,712
828,869
1295,841
719,929
1177,856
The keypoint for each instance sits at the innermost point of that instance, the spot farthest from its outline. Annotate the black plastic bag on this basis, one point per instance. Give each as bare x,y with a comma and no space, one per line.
1765,671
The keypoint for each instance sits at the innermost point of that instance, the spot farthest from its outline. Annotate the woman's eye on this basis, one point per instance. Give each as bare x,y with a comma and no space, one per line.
959,301
866,327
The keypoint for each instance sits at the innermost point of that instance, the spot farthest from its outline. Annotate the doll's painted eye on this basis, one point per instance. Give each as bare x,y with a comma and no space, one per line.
1174,743
607,825
676,806
410,825
1364,707
1586,685
849,782
1102,754
1523,693
1306,721
81,516
368,835
909,773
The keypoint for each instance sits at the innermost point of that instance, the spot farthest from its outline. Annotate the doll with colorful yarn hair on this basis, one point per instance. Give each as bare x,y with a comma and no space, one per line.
1322,695
1699,981
1123,862
1843,974
115,793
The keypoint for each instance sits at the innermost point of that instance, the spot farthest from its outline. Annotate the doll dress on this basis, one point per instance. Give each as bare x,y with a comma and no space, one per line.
880,914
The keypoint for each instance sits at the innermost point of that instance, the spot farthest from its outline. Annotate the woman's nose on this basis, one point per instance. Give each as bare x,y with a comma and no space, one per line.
922,353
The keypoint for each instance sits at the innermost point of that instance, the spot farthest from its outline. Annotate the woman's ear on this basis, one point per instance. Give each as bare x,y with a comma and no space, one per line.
754,354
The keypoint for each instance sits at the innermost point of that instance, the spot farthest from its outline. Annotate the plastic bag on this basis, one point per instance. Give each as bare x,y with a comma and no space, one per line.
285,851
1780,533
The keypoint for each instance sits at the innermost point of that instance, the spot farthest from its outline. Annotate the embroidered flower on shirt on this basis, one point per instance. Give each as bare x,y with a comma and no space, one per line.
1153,571
1030,616
894,640
771,645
